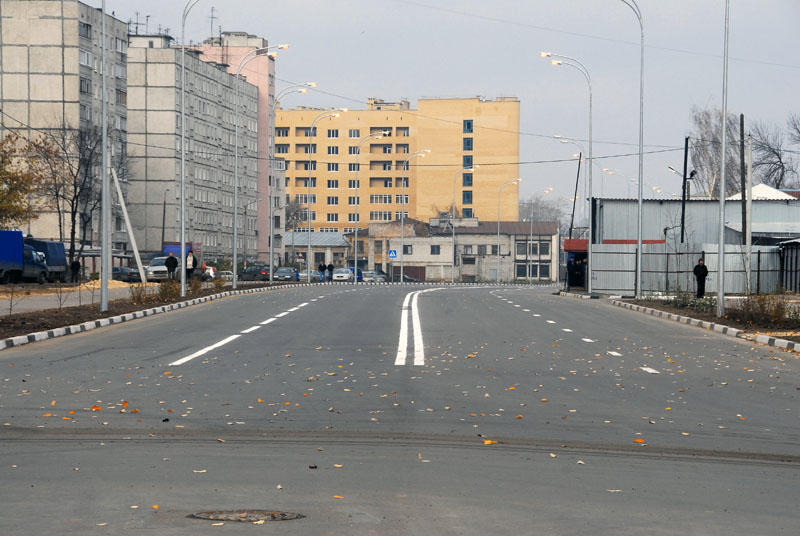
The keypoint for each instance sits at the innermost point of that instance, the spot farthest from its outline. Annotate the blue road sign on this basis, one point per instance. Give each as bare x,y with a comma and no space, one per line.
392,253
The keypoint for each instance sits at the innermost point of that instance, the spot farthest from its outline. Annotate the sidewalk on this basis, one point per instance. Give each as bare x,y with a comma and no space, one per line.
26,304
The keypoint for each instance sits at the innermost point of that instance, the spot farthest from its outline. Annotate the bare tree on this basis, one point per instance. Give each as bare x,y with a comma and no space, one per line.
541,208
295,213
793,125
707,147
772,165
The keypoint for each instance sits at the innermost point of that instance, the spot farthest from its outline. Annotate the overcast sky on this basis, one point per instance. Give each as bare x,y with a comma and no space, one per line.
395,49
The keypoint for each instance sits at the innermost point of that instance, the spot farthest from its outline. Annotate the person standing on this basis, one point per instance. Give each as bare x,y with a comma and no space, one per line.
191,264
700,273
172,264
75,268
321,269
330,272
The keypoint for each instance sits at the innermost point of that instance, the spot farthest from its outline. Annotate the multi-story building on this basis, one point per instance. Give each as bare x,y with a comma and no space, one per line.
358,179
230,49
154,137
51,85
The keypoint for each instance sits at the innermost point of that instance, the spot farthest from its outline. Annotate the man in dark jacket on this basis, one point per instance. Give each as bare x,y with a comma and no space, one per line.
75,268
171,263
321,269
700,273
330,272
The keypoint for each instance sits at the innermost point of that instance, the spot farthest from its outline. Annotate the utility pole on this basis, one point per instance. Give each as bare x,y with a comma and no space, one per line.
748,239
743,177
683,195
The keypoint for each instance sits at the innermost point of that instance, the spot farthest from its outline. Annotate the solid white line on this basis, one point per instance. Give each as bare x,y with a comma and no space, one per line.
203,351
281,314
402,345
293,309
250,330
267,321
650,370
303,304
419,351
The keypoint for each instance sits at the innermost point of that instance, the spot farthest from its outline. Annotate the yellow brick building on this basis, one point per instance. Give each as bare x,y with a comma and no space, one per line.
458,132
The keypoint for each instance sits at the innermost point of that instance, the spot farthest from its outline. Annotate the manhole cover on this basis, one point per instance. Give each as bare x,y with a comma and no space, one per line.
247,516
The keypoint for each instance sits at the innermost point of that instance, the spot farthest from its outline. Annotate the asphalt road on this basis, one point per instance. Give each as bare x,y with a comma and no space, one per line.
401,410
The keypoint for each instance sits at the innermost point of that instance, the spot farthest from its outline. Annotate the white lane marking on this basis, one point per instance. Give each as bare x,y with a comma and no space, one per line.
537,316
588,340
516,305
250,330
281,314
527,310
293,309
267,321
551,321
402,345
205,350
567,330
615,354
303,304
650,370
314,299
419,351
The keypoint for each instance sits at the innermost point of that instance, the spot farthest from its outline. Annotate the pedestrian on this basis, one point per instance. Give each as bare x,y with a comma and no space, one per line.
330,272
75,268
701,272
191,264
172,264
321,269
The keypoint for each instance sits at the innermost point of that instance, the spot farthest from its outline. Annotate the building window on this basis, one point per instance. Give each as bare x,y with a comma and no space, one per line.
352,217
378,245
401,199
353,167
522,269
436,250
308,166
402,182
466,161
544,271
408,249
387,183
304,182
85,30
482,249
333,184
467,126
303,216
282,132
308,131
353,149
467,250
282,148
333,200
544,248
333,166
332,149
521,248
122,45
466,180
353,200
120,71
402,132
466,197
303,198
398,215
468,260
494,249
387,166
354,133
353,184
467,144
85,57
380,199
534,248
333,133
86,112
387,149
86,86
534,270
467,213
333,217
380,215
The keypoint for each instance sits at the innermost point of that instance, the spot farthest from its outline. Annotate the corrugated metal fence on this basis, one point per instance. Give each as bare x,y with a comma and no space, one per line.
669,269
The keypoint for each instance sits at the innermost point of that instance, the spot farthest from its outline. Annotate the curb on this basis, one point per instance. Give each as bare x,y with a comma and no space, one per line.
724,330
579,296
19,340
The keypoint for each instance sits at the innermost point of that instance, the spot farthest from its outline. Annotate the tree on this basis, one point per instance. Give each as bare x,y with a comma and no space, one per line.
542,208
772,165
294,214
19,183
707,147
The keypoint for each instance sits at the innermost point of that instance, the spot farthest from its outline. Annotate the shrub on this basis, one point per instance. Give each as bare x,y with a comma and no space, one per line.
169,290
770,308
138,293
219,283
195,285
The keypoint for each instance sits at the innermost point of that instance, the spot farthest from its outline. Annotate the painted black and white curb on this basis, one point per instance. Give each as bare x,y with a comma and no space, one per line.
725,330
579,296
19,340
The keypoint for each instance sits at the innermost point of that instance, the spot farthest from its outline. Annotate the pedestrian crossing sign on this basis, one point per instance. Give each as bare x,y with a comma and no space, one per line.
392,253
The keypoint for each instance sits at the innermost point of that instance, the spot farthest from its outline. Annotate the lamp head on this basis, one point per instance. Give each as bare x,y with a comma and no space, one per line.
555,62
272,55
311,84
304,90
283,47
544,54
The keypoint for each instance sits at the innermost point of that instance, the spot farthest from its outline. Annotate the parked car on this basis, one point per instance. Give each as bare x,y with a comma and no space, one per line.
406,279
286,274
210,274
123,273
342,274
226,275
54,256
374,276
315,275
254,272
157,271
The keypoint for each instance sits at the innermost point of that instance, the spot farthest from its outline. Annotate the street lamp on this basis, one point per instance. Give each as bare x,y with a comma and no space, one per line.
469,169
499,192
575,63
420,154
295,88
250,55
320,117
638,12
358,201
186,8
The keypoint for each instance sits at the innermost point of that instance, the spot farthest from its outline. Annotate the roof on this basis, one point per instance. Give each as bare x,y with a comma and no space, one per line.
763,191
769,228
511,228
327,240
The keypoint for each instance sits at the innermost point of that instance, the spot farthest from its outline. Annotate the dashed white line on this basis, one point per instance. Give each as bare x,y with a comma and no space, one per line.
516,305
551,321
588,340
267,321
293,309
250,330
281,314
303,304
567,330
615,354
537,316
650,370
203,351
527,310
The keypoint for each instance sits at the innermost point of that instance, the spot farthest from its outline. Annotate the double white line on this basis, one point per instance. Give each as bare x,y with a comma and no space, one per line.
402,346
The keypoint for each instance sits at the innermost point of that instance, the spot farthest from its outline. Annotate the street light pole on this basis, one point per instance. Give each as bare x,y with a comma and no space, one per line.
358,203
499,192
420,154
105,210
188,7
453,219
721,247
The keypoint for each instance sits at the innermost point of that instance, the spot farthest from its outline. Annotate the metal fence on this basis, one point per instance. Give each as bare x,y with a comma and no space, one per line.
669,269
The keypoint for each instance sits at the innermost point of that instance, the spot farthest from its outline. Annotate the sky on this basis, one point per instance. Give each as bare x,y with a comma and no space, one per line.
407,49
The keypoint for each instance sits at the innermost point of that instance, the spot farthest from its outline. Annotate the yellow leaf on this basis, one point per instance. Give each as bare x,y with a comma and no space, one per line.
511,388
155,507
260,400
53,403
489,442
338,497
125,404
97,408
338,465
638,440
544,400
518,417
47,415
167,373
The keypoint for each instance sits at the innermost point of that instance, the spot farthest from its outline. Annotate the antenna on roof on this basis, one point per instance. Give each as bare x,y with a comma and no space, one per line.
213,18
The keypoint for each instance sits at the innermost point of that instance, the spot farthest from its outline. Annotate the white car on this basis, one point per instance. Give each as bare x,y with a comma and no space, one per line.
226,275
342,274
156,270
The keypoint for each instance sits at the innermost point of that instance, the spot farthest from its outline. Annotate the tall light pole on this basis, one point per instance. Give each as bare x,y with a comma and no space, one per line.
420,154
562,139
244,241
105,210
453,218
358,204
499,192
721,247
320,117
638,12
575,63
188,7
295,88
250,55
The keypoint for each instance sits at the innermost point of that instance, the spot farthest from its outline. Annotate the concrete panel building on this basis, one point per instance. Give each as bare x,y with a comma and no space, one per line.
154,80
459,133
50,84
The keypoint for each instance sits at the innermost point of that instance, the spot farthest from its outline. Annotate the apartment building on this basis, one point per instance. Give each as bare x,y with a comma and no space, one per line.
357,178
213,97
229,49
50,84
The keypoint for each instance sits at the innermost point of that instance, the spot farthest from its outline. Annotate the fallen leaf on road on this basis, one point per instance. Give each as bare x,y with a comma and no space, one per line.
518,417
553,455
199,471
97,408
124,403
543,400
155,507
489,442
53,403
638,440
338,497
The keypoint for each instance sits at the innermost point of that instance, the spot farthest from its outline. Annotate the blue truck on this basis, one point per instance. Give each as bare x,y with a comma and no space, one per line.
54,256
19,261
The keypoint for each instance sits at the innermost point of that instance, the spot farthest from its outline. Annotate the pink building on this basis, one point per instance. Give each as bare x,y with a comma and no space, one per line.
229,49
